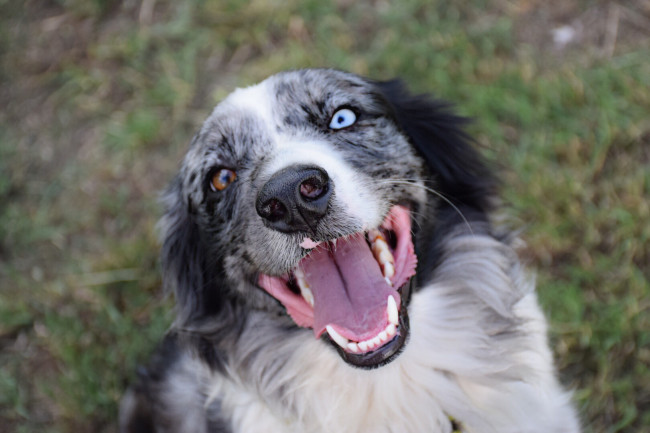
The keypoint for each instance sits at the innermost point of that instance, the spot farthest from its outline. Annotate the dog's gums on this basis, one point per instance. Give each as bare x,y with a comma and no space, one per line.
350,288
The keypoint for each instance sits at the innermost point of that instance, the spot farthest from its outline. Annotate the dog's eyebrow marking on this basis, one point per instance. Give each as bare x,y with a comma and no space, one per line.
322,102
225,144
313,117
222,147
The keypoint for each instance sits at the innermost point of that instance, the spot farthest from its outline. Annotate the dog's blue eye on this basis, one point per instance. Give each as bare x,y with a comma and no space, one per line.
343,118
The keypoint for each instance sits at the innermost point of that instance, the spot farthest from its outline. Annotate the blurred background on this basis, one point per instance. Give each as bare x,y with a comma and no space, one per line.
99,99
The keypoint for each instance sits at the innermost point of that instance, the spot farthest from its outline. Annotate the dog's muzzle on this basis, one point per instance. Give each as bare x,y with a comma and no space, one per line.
353,290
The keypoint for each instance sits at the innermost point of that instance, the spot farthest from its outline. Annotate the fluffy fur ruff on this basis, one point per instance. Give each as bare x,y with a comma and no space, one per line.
242,355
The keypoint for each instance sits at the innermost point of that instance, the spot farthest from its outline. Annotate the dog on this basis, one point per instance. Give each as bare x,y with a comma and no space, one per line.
332,245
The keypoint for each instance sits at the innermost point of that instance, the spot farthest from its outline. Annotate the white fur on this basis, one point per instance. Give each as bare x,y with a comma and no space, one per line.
354,192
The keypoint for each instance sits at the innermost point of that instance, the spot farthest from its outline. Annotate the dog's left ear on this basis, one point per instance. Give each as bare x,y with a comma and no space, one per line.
460,173
184,258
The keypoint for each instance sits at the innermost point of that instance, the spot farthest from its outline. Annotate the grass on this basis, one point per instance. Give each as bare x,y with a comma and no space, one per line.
101,97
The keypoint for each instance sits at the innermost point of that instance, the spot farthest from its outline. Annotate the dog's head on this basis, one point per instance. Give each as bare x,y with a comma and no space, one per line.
305,195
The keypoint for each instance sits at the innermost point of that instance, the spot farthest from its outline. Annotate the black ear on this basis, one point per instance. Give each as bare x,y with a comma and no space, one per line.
459,171
185,258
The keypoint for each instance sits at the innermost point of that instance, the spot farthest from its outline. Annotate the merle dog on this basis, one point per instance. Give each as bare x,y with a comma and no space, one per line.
331,244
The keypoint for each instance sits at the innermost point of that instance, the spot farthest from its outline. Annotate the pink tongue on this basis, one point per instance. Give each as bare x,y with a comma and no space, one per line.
350,292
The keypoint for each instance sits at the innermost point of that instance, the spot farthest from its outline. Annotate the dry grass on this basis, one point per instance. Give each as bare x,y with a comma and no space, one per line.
101,97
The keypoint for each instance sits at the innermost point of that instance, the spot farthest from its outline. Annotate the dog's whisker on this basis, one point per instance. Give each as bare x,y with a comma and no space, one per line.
413,182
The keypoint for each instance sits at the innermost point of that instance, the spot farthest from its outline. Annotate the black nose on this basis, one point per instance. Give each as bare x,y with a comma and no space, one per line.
294,199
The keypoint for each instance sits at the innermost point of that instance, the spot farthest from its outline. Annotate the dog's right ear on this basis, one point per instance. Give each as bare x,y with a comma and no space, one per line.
184,266
461,174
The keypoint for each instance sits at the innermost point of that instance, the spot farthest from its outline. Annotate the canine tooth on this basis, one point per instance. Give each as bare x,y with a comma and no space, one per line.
353,347
391,330
389,270
388,281
302,283
300,275
308,295
391,309
304,286
383,336
338,338
363,346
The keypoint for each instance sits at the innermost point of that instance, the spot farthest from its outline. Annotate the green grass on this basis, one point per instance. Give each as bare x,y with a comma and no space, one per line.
99,105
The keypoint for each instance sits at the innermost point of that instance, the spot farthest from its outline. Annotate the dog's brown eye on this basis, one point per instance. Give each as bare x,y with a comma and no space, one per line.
222,178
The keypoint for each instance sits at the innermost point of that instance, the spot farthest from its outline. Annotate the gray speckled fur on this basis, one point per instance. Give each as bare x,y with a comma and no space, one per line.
478,347
234,138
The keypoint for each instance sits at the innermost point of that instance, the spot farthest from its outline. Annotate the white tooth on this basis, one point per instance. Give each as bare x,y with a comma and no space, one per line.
304,286
371,344
298,272
378,246
308,295
353,347
388,281
389,270
382,253
385,257
383,336
391,309
338,338
391,330
363,346
334,243
376,341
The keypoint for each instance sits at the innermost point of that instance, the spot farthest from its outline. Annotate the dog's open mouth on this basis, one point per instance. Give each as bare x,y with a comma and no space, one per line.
354,290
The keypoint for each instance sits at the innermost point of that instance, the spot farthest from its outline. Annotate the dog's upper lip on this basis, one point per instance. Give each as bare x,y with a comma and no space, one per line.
347,287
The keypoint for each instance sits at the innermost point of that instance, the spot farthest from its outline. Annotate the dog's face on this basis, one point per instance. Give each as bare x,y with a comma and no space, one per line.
301,195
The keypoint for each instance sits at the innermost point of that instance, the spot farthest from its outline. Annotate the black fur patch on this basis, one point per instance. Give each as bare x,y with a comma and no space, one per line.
461,174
